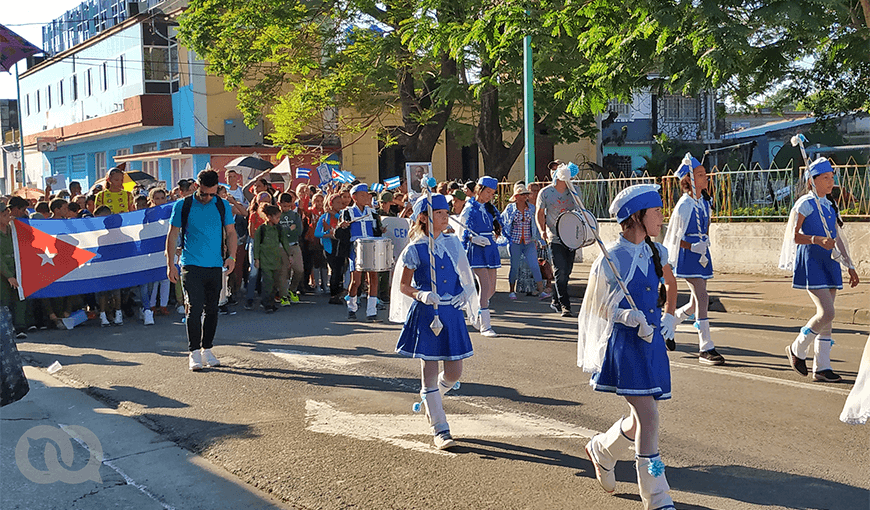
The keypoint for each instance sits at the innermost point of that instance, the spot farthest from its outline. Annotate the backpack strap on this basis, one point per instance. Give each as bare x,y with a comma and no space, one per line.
185,212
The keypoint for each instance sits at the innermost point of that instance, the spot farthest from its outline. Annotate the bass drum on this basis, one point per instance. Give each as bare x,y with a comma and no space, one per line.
373,254
576,230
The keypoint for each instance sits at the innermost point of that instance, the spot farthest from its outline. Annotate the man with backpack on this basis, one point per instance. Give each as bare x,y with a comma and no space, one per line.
206,225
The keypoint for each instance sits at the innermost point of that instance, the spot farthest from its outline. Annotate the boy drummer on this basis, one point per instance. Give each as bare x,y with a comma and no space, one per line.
364,223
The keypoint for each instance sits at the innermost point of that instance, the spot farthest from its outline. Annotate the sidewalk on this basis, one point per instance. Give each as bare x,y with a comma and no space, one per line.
135,467
771,296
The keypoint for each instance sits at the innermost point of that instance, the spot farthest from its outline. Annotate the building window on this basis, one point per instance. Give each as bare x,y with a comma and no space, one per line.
60,96
104,77
160,54
680,108
122,77
145,147
27,104
73,88
152,168
38,105
623,110
100,163
48,97
182,168
88,83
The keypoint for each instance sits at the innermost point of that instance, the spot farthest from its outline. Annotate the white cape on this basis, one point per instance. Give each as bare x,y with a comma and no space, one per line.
400,304
857,408
678,223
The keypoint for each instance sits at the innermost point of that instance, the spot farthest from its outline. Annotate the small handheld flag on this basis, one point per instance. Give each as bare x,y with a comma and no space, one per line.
377,187
303,173
393,182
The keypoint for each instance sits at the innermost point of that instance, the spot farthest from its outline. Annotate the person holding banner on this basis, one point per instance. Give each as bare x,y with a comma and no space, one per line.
416,300
621,333
688,244
813,248
478,238
202,222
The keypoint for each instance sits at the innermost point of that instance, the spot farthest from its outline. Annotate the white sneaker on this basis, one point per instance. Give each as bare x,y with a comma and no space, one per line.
104,321
210,358
149,318
119,318
181,310
194,361
489,333
443,440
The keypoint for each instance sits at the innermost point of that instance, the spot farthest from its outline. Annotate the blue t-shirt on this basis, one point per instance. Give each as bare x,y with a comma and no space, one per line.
202,246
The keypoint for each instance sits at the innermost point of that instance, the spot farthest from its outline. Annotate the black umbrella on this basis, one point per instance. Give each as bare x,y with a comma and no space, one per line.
249,165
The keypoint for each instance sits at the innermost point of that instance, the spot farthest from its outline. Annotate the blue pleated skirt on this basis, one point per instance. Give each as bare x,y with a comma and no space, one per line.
815,269
483,256
418,341
634,367
689,265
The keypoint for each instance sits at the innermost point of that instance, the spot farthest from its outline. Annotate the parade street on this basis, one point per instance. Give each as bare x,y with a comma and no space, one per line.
309,410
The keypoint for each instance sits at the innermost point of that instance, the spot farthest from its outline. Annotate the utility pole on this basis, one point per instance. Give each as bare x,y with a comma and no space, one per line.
528,107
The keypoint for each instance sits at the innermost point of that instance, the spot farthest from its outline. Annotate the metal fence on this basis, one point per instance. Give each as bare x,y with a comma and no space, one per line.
743,194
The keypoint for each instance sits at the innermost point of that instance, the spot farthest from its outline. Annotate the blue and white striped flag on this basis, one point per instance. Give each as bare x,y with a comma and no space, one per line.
393,182
348,177
56,258
303,173
377,187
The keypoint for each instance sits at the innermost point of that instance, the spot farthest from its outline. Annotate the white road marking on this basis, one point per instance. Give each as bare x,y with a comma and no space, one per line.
743,375
309,361
689,328
395,429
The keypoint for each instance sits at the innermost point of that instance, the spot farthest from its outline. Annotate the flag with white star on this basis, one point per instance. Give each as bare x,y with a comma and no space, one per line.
56,258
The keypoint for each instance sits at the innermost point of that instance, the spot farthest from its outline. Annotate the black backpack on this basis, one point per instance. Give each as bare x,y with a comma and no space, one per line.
185,212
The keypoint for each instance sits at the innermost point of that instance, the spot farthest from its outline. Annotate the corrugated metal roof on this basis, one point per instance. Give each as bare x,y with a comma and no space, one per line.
767,128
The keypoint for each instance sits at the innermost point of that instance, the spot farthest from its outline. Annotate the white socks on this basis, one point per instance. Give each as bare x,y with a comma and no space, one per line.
705,343
352,305
801,345
822,359
371,306
444,385
434,410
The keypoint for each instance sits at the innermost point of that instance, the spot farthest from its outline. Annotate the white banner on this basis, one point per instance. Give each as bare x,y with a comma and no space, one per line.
396,229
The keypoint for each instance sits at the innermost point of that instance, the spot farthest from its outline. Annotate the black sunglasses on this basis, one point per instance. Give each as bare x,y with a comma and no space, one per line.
208,195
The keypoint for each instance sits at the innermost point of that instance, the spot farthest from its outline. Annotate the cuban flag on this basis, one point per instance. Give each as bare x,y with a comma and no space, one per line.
393,182
377,187
303,173
56,258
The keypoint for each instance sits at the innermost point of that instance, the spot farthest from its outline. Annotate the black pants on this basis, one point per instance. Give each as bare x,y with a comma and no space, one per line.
202,286
563,264
336,273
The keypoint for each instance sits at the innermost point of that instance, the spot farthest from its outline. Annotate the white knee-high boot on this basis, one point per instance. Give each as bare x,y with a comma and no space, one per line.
372,306
652,483
801,345
434,410
485,326
684,312
705,343
444,385
607,448
822,359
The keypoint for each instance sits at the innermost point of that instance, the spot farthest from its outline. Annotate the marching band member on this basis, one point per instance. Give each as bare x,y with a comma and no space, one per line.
411,302
814,246
479,242
621,341
363,223
856,410
688,244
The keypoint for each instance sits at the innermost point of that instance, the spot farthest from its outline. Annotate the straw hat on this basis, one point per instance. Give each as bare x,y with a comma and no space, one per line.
519,189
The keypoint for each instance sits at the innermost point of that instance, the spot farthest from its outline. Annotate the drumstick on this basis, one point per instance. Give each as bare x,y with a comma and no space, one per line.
687,160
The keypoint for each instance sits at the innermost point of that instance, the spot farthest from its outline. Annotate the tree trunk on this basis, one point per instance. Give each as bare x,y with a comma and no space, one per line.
420,139
497,159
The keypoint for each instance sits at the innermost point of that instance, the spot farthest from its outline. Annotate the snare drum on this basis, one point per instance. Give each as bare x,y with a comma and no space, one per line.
373,254
576,230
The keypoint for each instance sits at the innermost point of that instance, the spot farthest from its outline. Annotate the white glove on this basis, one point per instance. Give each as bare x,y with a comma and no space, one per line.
480,240
635,318
700,247
458,301
427,297
629,317
669,326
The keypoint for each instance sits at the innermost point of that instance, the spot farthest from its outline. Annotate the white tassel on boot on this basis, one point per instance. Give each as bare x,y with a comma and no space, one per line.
485,326
652,483
604,450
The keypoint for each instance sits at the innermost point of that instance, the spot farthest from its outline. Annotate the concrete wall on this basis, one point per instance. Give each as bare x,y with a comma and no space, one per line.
753,248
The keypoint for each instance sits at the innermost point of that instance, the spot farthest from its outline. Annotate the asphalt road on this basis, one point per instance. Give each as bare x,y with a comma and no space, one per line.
316,411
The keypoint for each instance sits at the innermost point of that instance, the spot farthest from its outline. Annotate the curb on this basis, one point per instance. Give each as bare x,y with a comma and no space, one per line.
786,311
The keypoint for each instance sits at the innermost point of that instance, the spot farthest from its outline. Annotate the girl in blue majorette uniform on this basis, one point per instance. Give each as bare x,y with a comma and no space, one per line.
411,302
478,239
813,247
624,346
688,243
